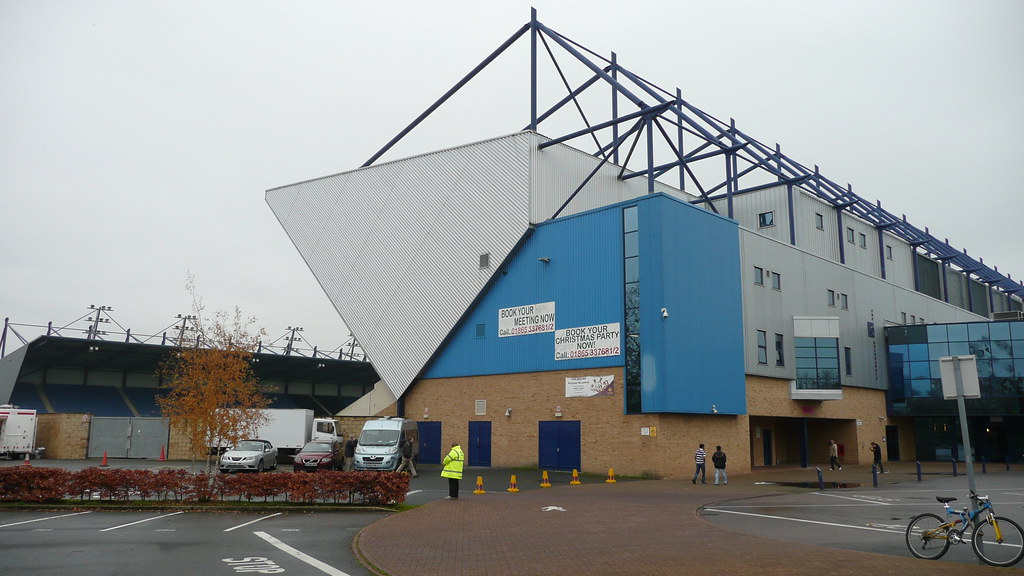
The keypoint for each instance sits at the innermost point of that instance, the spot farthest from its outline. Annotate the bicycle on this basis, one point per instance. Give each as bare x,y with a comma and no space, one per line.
996,540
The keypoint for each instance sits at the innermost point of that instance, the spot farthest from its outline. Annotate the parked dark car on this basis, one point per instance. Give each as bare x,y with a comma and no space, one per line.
318,455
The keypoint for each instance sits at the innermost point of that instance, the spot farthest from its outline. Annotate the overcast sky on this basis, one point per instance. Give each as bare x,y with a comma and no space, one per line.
138,138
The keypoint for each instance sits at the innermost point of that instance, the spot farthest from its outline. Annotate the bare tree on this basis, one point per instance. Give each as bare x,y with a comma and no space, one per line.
212,391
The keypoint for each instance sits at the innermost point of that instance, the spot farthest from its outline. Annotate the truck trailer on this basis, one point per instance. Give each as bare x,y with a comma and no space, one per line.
17,432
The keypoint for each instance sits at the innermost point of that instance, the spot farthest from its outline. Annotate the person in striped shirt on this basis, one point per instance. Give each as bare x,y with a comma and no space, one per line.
698,457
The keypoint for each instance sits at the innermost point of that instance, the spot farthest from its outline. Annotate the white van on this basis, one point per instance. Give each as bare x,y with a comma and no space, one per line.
380,443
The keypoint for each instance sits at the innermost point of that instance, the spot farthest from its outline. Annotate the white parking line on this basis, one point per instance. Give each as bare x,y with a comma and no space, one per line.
41,519
140,521
253,522
865,500
298,554
804,521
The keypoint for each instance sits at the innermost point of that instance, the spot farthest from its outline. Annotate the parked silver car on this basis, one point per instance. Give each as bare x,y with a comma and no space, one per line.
255,455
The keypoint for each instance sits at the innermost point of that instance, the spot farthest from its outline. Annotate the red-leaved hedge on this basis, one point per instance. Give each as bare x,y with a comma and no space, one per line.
41,484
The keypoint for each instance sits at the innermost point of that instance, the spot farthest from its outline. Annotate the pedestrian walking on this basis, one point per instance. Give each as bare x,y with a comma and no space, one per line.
698,458
718,459
833,456
350,453
876,450
453,470
407,463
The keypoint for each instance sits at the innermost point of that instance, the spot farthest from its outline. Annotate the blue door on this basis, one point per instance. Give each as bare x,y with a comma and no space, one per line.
430,442
559,445
479,444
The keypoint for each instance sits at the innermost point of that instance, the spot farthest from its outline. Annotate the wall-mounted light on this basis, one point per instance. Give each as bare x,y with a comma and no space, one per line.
714,409
426,413
508,412
544,259
664,312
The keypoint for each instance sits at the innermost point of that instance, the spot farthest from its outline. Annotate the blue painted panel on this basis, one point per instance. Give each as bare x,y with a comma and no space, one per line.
583,277
690,266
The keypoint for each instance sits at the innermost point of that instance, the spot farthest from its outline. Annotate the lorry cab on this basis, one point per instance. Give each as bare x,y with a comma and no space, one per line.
380,443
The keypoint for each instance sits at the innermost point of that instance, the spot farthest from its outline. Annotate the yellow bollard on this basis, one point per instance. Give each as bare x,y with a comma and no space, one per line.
479,485
512,485
575,476
611,476
545,483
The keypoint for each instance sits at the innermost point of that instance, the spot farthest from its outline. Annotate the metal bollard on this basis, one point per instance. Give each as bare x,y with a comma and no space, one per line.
954,467
821,480
918,470
874,476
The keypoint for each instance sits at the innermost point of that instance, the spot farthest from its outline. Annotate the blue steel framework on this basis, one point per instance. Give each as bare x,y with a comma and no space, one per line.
749,165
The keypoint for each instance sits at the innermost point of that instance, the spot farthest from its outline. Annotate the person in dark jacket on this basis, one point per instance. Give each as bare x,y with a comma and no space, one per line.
407,463
718,459
350,453
876,450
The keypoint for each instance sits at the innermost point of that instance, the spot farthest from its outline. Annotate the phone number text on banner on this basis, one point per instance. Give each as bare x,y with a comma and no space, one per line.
588,342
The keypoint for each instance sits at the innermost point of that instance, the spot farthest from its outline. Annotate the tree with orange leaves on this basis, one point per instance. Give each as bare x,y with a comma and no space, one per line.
212,391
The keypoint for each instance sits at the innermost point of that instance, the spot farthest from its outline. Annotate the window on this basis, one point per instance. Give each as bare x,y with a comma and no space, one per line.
844,302
819,221
758,276
776,281
862,240
817,363
779,358
762,347
832,298
481,330
481,407
485,261
631,290
849,235
848,358
766,219
888,252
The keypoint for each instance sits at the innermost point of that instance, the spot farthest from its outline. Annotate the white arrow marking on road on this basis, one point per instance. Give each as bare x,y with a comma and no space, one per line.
550,508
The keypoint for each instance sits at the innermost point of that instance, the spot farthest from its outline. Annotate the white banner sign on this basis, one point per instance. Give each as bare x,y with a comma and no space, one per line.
529,319
588,342
587,386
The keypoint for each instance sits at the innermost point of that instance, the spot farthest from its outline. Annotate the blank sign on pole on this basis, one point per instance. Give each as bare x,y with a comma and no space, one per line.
968,376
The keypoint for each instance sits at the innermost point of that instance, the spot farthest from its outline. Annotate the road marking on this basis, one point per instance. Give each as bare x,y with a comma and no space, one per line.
411,492
857,499
805,521
253,521
300,555
41,519
552,508
140,521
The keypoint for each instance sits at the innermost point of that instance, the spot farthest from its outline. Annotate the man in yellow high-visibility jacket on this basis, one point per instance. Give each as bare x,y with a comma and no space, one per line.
453,470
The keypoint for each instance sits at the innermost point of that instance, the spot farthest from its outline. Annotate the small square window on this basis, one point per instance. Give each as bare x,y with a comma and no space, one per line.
862,241
849,235
780,360
776,281
844,302
819,221
758,276
485,260
766,219
832,298
481,407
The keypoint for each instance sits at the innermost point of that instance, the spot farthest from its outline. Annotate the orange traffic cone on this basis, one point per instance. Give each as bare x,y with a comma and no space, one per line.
479,485
611,476
512,487
26,462
104,463
162,457
544,482
575,476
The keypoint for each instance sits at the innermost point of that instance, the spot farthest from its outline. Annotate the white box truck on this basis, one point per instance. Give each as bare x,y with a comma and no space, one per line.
288,429
380,443
17,432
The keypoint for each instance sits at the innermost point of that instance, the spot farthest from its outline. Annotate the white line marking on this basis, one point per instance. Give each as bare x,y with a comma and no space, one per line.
41,519
865,500
140,521
805,521
298,554
253,521
411,492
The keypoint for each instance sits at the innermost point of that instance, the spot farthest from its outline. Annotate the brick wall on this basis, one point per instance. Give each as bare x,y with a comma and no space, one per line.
65,436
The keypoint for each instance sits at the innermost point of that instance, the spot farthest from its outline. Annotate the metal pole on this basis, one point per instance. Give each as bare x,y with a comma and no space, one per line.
964,432
821,480
918,470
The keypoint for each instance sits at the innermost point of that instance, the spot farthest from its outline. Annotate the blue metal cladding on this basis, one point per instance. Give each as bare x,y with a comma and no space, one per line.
582,275
691,359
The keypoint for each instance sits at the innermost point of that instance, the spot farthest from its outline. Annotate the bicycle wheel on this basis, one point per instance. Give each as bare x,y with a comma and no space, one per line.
1005,551
927,536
